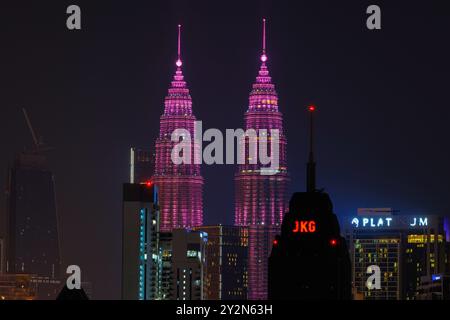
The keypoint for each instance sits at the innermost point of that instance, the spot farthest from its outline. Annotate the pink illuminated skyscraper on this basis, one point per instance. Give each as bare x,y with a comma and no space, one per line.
180,186
261,200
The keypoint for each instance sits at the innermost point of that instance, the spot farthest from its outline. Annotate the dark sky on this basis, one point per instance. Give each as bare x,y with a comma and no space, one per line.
383,98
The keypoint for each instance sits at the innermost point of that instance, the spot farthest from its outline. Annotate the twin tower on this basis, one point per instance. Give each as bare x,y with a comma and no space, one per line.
260,200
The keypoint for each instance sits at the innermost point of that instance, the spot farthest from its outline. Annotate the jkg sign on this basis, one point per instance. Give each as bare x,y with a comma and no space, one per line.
304,226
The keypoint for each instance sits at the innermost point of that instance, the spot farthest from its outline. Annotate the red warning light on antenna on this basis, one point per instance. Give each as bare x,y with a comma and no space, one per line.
333,242
312,108
149,183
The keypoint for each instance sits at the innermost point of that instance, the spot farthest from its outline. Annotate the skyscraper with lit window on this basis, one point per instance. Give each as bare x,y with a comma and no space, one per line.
188,264
261,200
226,262
140,235
405,247
180,185
165,272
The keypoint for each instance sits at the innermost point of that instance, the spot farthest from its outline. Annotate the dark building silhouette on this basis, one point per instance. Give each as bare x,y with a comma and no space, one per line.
435,287
32,238
310,259
33,245
72,294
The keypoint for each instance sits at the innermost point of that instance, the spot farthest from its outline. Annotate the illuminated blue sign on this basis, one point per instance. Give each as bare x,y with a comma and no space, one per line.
386,222
420,222
436,277
372,222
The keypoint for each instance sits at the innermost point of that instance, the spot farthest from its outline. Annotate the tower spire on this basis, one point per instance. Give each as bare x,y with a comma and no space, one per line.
178,209
264,35
264,56
179,63
311,166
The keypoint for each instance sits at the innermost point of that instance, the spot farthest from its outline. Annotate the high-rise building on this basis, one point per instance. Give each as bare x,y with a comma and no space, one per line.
188,264
261,199
226,262
180,185
140,242
310,259
32,242
141,165
165,272
406,248
181,265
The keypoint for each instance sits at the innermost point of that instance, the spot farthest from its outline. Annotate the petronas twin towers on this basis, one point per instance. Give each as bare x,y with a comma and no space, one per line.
260,200
180,186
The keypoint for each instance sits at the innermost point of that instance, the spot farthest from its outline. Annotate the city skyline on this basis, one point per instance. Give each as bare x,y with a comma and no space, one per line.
376,139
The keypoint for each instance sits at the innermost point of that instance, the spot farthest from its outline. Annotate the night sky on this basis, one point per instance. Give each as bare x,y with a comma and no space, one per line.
383,98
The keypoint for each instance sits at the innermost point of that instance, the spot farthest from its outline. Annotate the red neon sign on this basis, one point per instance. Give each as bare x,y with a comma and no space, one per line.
304,226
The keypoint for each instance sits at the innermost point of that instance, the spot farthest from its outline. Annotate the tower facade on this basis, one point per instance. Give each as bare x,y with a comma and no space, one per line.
32,242
188,264
140,242
180,185
409,250
261,200
226,262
